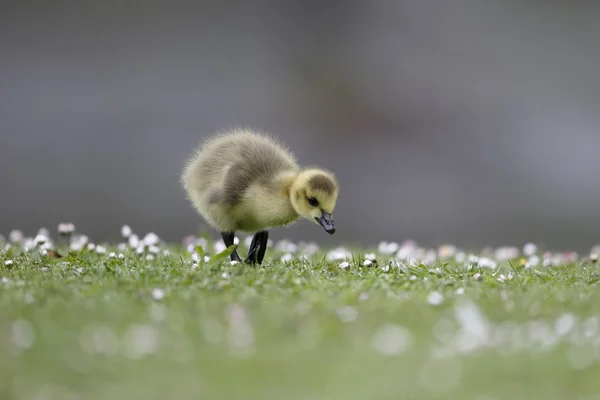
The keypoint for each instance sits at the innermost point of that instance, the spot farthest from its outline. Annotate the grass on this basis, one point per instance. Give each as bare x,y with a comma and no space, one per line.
93,325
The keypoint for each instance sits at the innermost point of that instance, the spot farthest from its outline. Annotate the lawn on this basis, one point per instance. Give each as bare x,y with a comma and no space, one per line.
147,320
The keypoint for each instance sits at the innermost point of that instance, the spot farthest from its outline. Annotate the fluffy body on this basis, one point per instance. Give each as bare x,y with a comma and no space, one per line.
245,181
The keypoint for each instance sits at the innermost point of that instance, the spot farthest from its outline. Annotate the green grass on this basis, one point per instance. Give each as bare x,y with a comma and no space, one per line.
87,326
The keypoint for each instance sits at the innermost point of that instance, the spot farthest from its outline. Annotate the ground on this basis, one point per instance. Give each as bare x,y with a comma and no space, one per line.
149,320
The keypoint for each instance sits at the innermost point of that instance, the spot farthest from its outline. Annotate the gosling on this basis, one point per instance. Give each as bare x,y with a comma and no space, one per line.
241,180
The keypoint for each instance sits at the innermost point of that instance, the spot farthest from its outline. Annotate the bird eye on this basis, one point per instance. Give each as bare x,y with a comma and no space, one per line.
313,202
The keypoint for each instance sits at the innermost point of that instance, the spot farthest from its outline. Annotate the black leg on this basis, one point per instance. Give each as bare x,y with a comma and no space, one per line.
253,250
228,240
262,246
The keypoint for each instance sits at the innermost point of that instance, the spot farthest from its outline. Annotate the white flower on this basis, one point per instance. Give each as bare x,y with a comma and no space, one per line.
285,246
435,298
91,246
370,256
529,249
8,262
385,267
149,257
40,239
151,239
225,275
286,257
533,261
219,246
344,264
506,253
487,263
477,276
133,241
158,294
66,228
126,231
112,254
367,263
153,249
388,248
78,242
413,278
100,249
15,236
338,254
460,291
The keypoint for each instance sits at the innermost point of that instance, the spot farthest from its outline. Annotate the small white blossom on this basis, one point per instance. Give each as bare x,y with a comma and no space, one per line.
66,228
477,276
153,249
344,264
15,236
91,246
339,254
413,278
435,298
40,239
158,294
112,254
100,249
367,263
385,267
151,239
78,242
387,248
225,275
149,257
532,262
126,231
529,249
8,262
133,241
485,262
371,256
287,257
460,291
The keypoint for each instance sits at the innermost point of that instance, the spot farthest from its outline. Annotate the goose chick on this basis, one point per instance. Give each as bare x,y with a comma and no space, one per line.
242,180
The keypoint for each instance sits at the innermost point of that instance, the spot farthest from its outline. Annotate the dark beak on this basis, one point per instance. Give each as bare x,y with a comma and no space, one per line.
326,221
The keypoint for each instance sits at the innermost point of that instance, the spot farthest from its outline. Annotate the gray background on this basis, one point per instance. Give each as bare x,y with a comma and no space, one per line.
472,122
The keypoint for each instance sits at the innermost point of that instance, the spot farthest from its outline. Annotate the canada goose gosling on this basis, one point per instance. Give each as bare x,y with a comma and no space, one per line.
241,180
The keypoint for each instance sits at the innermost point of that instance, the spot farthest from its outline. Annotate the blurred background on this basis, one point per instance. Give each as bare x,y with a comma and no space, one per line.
461,121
